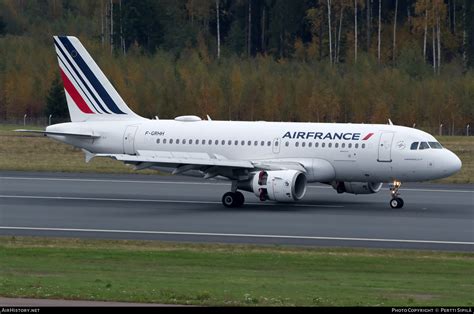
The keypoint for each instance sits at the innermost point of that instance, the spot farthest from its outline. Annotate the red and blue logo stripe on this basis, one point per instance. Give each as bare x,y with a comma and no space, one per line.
367,136
80,82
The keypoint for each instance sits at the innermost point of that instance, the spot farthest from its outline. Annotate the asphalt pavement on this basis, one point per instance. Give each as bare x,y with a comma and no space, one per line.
178,208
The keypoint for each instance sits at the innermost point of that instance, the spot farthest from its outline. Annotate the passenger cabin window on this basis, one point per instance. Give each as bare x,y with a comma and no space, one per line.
269,143
336,145
303,144
256,143
435,145
229,142
424,145
236,142
287,144
363,145
157,141
171,141
414,146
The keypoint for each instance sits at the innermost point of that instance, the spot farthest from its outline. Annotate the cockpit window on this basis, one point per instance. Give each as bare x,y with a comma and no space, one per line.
424,145
414,146
435,145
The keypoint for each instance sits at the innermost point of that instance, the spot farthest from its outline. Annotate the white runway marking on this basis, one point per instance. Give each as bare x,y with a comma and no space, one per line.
238,235
204,183
155,200
116,181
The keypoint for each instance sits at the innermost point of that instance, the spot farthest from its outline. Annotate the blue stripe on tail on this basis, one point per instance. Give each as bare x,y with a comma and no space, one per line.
80,77
77,83
90,76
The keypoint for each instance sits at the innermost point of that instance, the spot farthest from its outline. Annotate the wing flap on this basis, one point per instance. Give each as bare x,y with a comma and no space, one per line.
174,158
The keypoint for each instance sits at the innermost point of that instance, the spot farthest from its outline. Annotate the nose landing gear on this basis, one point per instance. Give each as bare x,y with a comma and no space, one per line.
396,201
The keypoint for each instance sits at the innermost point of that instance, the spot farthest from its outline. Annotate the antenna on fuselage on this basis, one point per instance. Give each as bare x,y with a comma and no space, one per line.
390,122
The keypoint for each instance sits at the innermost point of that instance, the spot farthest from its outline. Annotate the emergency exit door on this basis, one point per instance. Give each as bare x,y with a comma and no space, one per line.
276,145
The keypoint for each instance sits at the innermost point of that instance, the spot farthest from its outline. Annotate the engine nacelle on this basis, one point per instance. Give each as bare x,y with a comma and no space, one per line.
279,185
357,187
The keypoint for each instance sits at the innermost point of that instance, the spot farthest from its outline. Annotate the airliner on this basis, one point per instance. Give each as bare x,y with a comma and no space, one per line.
273,160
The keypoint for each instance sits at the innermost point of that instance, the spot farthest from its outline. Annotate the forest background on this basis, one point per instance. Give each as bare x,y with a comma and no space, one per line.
359,61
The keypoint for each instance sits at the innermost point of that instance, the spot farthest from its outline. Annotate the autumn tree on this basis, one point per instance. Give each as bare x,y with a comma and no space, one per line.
56,101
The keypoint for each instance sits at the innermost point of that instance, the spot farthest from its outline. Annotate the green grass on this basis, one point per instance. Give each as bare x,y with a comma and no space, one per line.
213,274
11,127
26,152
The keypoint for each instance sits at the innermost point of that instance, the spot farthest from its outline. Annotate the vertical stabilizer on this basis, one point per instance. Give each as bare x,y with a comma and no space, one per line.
89,94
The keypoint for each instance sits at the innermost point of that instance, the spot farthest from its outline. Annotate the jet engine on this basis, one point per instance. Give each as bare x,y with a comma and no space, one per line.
357,187
278,185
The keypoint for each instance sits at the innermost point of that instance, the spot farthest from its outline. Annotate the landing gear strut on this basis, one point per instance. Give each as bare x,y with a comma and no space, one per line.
233,199
396,201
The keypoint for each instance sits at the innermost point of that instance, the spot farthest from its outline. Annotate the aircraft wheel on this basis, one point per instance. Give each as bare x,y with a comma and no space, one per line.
396,202
240,199
230,199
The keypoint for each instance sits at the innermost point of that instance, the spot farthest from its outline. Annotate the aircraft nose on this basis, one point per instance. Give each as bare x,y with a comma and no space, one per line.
453,163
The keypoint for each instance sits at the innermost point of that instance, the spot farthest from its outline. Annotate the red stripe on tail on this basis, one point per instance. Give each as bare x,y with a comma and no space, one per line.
72,91
367,136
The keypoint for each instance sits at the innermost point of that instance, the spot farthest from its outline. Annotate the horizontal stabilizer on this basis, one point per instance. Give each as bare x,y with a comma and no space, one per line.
86,135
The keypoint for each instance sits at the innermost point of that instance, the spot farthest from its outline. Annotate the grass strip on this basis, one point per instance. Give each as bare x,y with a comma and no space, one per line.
235,275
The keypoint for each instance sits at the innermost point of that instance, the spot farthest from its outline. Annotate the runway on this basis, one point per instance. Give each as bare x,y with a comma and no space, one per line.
177,208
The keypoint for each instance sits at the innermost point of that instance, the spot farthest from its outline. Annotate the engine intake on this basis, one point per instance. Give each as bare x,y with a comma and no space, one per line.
280,185
357,187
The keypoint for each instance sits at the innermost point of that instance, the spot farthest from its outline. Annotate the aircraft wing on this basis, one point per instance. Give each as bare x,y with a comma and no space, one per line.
177,158
210,164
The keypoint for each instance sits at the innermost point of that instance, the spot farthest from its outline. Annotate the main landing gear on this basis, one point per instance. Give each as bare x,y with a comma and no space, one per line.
233,199
395,202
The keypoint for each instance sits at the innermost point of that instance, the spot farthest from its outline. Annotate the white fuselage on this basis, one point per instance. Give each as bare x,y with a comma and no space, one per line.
328,151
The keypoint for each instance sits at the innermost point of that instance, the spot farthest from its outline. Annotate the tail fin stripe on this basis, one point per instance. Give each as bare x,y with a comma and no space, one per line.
79,76
72,91
90,76
64,68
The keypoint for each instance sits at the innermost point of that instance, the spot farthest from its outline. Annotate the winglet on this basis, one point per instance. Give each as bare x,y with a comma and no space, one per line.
88,155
